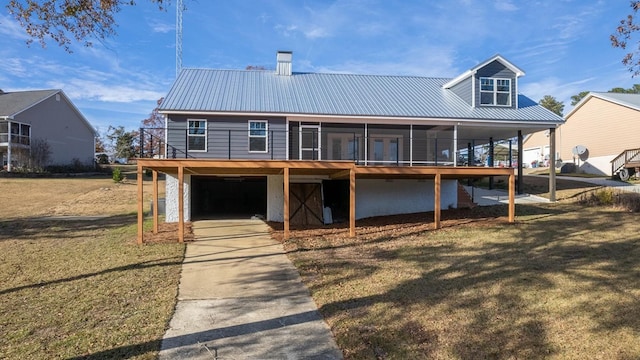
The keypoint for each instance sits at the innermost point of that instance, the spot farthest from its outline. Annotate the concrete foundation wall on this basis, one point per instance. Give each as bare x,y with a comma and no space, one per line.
373,197
380,197
600,165
275,198
171,185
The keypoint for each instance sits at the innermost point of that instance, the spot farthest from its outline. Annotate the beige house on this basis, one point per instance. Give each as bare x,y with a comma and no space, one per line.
598,129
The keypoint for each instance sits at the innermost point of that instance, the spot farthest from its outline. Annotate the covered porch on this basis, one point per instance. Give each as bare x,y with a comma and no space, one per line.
347,170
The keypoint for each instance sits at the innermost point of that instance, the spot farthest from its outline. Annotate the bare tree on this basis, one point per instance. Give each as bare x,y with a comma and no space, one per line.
67,20
623,38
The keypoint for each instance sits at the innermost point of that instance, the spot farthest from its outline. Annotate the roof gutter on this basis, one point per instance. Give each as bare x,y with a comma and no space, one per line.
370,119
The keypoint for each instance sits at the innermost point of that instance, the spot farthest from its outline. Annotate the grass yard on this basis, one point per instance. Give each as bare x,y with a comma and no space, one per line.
80,289
562,283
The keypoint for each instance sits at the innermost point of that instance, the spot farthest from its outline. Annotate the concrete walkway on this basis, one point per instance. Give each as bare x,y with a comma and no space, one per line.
603,181
485,197
241,298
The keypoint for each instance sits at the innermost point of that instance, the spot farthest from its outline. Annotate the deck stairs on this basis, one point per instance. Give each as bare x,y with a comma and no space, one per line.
464,199
628,159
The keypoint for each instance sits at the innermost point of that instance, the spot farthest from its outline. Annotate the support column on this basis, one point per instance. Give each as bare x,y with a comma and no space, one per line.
552,164
512,197
491,161
436,205
9,146
181,204
520,184
139,181
455,145
352,202
286,203
155,201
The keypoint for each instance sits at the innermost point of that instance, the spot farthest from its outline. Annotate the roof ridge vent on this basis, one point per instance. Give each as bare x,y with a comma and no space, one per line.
284,63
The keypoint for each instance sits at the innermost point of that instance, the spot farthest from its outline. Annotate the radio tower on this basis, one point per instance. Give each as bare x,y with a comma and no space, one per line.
179,9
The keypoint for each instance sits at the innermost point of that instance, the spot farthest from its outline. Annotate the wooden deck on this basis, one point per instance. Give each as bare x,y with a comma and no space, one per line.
332,169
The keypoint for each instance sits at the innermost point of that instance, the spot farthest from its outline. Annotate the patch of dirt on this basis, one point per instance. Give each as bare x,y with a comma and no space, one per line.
389,227
168,233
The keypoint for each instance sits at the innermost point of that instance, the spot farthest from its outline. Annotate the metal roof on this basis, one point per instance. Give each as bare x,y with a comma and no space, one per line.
629,100
219,91
13,103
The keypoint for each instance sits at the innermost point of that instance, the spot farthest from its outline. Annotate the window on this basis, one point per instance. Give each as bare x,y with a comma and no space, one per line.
343,146
494,91
197,135
385,148
257,136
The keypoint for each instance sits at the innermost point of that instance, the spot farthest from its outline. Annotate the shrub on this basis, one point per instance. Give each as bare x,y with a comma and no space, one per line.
627,201
117,175
605,196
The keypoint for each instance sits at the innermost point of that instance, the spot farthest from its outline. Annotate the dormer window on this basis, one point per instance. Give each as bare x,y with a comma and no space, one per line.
495,91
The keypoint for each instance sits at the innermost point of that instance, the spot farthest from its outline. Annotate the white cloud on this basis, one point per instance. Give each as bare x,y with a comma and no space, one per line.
161,27
11,28
108,92
316,33
505,5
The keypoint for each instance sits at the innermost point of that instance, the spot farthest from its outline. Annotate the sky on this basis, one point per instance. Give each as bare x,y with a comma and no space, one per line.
563,46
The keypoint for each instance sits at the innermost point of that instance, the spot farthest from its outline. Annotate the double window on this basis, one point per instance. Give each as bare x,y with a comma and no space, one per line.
197,135
258,140
495,91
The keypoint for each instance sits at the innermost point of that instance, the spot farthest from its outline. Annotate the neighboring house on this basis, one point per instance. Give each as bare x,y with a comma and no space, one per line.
598,129
27,117
245,136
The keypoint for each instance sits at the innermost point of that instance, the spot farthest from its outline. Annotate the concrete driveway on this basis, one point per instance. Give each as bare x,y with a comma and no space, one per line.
241,298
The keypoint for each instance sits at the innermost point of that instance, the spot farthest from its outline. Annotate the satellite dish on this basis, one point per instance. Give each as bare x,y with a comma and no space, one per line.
581,152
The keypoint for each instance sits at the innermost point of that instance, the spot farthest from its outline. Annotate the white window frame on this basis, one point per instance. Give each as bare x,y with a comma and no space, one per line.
265,136
494,91
189,135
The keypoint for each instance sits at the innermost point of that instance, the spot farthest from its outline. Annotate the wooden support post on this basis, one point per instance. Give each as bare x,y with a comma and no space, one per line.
352,202
155,201
512,197
436,204
180,204
286,203
139,180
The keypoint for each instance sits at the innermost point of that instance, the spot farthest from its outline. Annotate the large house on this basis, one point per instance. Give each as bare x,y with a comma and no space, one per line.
598,129
46,117
281,142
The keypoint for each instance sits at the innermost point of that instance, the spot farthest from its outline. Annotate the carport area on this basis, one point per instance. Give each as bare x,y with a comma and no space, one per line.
344,170
215,197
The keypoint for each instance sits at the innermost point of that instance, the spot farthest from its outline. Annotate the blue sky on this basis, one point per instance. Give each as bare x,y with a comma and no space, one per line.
562,45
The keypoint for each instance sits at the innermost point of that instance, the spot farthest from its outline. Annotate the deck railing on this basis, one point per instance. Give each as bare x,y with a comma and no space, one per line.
625,157
327,145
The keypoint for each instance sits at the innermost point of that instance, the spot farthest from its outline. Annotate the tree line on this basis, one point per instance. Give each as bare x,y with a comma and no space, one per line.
125,144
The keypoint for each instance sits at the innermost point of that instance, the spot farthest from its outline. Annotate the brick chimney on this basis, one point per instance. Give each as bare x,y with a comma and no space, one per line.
284,63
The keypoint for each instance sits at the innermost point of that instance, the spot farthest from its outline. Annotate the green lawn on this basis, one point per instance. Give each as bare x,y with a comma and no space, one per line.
83,289
562,283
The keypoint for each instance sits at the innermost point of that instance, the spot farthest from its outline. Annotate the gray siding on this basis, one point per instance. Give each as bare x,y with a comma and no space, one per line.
495,69
227,137
69,137
464,90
